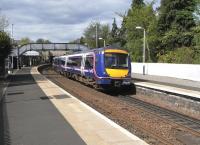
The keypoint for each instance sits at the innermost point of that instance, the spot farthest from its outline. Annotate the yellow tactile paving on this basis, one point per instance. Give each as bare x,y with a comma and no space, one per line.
93,128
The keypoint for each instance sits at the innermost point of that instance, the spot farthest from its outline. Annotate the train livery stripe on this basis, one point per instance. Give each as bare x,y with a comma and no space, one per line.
117,73
116,51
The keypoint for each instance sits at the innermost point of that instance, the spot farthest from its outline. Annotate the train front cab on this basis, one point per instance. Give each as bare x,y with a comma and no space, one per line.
113,68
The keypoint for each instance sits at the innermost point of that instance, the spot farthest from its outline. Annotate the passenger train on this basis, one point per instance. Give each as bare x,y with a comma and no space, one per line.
101,68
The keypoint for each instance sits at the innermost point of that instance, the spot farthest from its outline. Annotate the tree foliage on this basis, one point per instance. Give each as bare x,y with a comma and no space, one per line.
137,4
24,41
197,12
178,30
103,31
175,24
172,31
122,32
3,22
184,55
41,40
114,34
143,16
5,46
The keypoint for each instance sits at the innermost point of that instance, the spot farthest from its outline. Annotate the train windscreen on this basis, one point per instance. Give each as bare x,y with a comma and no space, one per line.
116,60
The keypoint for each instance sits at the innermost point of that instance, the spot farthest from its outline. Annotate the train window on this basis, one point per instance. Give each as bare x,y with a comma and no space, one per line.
71,63
74,62
56,61
62,62
89,62
116,60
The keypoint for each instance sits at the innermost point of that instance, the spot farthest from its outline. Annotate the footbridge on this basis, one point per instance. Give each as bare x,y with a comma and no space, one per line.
19,54
20,50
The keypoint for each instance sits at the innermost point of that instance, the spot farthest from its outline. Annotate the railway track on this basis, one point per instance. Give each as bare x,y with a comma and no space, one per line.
178,120
159,139
189,124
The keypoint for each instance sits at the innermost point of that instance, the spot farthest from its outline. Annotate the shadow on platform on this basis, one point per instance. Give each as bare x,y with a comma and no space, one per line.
23,79
4,127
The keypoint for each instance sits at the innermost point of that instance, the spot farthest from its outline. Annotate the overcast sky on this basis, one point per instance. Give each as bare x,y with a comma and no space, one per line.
59,20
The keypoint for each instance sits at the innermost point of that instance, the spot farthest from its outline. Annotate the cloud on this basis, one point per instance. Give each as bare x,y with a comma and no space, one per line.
59,20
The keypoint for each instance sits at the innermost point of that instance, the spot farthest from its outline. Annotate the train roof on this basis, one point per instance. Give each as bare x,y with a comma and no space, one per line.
97,49
88,51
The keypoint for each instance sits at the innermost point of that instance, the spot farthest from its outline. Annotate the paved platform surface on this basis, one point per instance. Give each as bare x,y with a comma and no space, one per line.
28,118
3,85
174,85
37,112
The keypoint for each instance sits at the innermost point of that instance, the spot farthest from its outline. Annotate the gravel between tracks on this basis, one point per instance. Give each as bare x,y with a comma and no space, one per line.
124,114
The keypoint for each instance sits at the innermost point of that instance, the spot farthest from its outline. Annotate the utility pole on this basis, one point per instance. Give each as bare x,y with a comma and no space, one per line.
12,31
144,45
104,41
96,36
12,41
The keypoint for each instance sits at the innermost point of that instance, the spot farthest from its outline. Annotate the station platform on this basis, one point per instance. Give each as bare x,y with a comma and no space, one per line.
168,84
35,111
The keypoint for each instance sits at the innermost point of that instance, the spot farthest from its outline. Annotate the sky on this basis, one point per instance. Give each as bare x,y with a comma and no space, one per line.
59,20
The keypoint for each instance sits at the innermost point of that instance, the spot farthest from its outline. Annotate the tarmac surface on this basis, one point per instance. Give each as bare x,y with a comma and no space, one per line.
28,118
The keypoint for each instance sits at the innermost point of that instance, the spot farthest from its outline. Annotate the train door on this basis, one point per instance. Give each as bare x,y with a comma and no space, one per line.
66,59
83,65
89,64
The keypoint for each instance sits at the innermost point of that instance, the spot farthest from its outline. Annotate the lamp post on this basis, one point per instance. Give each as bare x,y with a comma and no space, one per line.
12,41
104,42
143,57
12,33
96,35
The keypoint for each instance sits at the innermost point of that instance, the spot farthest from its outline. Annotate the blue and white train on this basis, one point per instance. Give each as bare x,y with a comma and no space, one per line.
101,67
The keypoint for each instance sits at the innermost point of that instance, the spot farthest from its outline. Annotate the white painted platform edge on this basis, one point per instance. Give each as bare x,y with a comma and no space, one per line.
191,93
113,124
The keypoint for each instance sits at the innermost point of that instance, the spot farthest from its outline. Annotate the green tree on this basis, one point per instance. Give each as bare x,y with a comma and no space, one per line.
196,42
41,40
197,12
47,41
24,41
90,34
5,45
181,55
104,33
144,16
122,32
137,3
3,22
114,34
5,48
175,24
79,40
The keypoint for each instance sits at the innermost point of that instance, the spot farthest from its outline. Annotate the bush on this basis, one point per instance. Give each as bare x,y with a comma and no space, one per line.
184,55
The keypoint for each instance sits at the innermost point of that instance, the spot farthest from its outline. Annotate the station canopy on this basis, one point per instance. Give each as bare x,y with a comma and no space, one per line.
31,53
